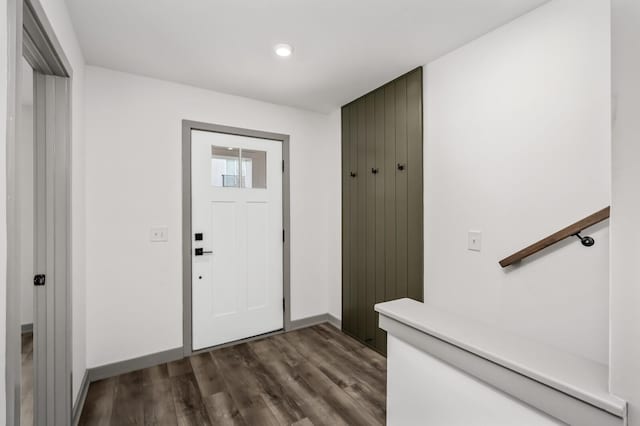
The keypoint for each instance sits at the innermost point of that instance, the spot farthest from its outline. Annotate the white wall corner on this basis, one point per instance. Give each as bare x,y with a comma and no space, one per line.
625,208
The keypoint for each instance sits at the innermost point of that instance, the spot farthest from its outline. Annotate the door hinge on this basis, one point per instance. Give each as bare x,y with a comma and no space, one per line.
283,305
282,166
283,235
39,279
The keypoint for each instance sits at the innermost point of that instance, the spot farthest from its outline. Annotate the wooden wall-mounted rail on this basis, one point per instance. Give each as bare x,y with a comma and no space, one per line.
569,231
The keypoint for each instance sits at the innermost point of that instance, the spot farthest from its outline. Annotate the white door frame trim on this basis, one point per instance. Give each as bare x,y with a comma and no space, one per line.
187,127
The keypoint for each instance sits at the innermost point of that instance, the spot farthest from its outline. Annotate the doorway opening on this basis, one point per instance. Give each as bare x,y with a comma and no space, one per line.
39,360
235,234
26,268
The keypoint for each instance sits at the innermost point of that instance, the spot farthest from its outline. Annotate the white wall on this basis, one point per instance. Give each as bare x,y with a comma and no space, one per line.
625,232
452,398
133,130
334,183
517,145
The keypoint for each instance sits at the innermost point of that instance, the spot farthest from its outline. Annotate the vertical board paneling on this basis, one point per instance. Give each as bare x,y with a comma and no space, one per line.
370,329
415,217
353,227
362,219
346,228
401,188
390,189
382,212
381,336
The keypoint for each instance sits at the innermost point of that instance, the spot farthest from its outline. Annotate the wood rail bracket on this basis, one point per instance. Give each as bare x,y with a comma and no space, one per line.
586,241
571,230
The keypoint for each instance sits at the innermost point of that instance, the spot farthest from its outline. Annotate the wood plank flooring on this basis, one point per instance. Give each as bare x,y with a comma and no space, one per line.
312,376
26,398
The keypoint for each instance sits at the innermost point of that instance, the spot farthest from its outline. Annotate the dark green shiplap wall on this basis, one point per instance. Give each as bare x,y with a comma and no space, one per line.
382,213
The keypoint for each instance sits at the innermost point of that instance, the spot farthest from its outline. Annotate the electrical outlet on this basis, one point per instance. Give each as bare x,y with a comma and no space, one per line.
475,240
159,235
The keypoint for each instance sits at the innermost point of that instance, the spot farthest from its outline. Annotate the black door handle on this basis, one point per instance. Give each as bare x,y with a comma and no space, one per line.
353,174
401,166
374,170
201,251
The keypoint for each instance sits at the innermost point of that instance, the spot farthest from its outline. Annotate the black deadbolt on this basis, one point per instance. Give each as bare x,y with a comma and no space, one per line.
198,236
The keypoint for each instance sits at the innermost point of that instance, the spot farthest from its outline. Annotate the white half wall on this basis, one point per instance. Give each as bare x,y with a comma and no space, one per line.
133,131
451,398
625,232
517,146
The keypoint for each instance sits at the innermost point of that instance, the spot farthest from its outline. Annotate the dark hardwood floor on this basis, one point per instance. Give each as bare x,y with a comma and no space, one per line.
313,376
26,398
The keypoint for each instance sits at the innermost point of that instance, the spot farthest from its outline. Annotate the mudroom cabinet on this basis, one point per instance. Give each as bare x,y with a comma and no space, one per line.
382,204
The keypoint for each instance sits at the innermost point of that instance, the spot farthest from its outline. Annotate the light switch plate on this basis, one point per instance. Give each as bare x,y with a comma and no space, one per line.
475,240
159,235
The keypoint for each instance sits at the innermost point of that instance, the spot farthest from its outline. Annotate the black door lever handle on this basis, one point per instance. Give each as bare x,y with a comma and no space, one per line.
374,170
353,174
201,251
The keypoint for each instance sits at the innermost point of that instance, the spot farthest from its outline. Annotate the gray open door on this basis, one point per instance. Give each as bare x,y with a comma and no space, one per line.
52,336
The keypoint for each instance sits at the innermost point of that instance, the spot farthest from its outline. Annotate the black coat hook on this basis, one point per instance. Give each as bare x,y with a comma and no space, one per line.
586,241
374,170
401,166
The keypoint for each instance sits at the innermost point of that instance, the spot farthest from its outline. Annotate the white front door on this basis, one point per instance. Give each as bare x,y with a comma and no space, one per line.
236,217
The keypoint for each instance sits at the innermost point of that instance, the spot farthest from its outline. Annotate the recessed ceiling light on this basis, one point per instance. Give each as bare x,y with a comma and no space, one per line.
283,50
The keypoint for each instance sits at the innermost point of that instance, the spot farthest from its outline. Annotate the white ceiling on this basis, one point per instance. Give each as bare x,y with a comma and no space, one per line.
342,48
